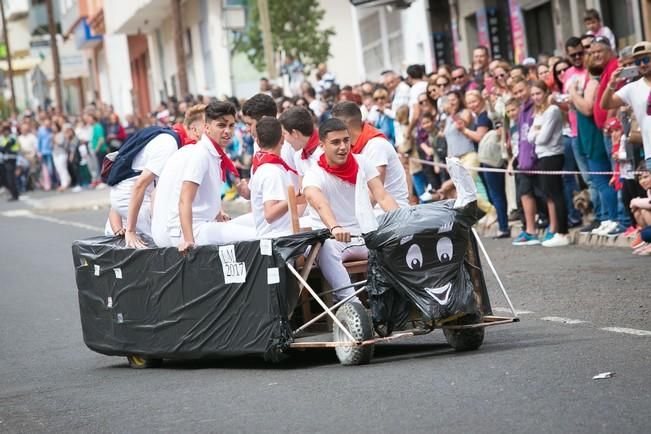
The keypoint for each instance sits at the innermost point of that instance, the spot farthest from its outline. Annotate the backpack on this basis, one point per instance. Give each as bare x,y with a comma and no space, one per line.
116,166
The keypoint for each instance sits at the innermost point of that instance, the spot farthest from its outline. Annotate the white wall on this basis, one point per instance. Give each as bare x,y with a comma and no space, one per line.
116,50
417,36
345,47
466,8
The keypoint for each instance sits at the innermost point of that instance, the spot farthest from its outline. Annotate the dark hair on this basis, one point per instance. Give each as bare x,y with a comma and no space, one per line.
459,96
311,92
219,109
427,115
555,73
260,105
591,14
299,119
463,68
269,132
484,48
329,126
572,42
415,71
347,110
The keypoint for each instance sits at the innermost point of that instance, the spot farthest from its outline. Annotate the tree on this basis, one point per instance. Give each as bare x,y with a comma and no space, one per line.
294,30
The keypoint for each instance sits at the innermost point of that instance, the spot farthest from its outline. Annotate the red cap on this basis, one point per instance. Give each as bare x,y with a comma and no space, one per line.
613,124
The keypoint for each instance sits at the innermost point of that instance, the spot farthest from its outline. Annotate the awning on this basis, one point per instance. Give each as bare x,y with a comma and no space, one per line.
20,65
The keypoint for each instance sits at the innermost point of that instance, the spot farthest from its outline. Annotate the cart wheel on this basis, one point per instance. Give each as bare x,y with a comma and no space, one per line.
139,362
354,317
465,339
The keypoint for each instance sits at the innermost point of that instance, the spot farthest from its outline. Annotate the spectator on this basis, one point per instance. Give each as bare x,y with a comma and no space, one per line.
594,26
461,81
115,133
44,136
381,116
60,157
29,150
480,61
397,88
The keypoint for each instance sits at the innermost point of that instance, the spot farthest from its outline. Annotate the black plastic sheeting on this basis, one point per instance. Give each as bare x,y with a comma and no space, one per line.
419,255
157,303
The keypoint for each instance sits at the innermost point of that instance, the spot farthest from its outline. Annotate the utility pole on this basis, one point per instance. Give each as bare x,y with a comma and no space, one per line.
265,26
181,69
55,54
11,69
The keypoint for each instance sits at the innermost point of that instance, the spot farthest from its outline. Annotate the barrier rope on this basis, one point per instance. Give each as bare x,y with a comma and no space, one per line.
523,172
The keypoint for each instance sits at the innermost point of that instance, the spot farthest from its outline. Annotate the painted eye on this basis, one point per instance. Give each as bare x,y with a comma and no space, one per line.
414,257
444,249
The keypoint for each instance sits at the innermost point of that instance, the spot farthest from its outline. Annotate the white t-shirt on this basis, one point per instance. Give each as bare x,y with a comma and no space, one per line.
340,194
286,153
636,95
303,165
382,153
199,164
152,157
269,182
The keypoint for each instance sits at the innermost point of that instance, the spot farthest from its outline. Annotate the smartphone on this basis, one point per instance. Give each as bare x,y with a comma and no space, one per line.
561,98
630,72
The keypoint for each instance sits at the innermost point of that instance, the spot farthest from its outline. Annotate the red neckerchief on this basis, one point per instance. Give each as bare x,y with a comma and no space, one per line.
183,134
368,133
310,146
226,164
264,157
346,172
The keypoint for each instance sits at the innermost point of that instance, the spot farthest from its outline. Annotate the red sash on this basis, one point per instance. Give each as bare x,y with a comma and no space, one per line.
311,145
226,164
183,134
346,172
264,157
368,133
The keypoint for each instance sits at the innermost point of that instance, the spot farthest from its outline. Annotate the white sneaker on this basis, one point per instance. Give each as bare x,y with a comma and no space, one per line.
558,240
604,228
76,189
426,197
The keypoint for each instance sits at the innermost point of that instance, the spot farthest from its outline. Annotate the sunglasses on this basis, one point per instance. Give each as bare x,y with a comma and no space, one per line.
380,98
500,76
423,101
562,70
642,61
578,54
441,84
457,78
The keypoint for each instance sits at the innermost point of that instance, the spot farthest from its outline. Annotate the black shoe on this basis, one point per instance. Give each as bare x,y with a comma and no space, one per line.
514,215
574,224
502,235
586,230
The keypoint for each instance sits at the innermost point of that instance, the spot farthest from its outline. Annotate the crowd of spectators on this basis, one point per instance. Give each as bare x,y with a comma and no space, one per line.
588,111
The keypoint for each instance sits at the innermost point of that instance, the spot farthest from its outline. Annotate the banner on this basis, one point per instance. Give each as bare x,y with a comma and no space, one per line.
482,28
517,32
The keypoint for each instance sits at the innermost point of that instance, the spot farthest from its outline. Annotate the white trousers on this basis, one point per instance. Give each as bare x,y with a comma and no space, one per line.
331,258
120,203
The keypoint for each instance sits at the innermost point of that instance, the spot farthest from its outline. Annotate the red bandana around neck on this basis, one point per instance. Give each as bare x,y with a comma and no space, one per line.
264,157
183,134
226,163
346,172
310,147
368,133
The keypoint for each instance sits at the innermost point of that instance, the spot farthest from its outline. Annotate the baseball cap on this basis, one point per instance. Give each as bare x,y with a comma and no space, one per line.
642,48
529,61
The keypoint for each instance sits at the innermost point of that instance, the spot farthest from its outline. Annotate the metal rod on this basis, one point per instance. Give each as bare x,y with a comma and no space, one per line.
490,264
352,285
321,303
321,315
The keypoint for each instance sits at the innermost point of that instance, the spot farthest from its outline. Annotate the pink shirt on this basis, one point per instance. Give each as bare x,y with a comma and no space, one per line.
570,76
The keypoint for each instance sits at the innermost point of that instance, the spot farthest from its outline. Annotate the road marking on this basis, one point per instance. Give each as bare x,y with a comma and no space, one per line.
563,320
507,310
25,213
627,331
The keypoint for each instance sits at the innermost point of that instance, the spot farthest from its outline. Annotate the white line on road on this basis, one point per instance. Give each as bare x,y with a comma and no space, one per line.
563,320
507,310
627,331
28,214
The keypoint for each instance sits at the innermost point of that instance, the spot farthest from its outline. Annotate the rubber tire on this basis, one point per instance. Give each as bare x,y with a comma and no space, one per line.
139,362
355,318
465,339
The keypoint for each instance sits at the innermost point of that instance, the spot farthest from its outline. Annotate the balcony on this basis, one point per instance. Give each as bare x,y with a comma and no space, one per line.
16,9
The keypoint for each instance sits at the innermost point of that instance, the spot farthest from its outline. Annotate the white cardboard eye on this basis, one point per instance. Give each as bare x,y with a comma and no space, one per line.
414,257
444,249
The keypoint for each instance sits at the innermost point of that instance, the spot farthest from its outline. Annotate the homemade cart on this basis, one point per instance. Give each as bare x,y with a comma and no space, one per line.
257,297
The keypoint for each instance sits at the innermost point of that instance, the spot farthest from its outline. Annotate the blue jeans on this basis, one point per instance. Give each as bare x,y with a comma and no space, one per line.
49,162
497,196
582,162
569,181
420,183
607,194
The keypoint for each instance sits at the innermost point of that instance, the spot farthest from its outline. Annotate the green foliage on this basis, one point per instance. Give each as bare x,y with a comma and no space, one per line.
294,30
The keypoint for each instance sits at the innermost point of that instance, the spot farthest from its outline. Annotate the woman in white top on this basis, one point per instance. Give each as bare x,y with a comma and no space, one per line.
546,133
60,157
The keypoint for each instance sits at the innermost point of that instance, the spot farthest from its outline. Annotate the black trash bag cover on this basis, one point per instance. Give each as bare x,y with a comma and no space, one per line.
417,255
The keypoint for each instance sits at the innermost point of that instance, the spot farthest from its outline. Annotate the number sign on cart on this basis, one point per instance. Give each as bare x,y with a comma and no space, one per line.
234,272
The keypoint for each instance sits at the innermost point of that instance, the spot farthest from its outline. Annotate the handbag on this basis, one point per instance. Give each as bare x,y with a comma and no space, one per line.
490,149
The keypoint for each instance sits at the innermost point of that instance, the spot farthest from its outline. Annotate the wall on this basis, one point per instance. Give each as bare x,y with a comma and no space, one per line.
116,50
345,47
416,35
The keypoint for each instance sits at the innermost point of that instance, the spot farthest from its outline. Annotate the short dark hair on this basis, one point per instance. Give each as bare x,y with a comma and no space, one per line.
269,132
219,109
329,126
463,68
484,49
591,14
347,110
311,92
572,42
260,105
415,71
299,119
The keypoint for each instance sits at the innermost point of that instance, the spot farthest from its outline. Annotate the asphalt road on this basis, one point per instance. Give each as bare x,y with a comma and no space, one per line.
579,307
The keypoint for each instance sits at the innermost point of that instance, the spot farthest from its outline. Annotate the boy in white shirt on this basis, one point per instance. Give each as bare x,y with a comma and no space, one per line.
187,210
270,177
337,189
300,133
372,144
